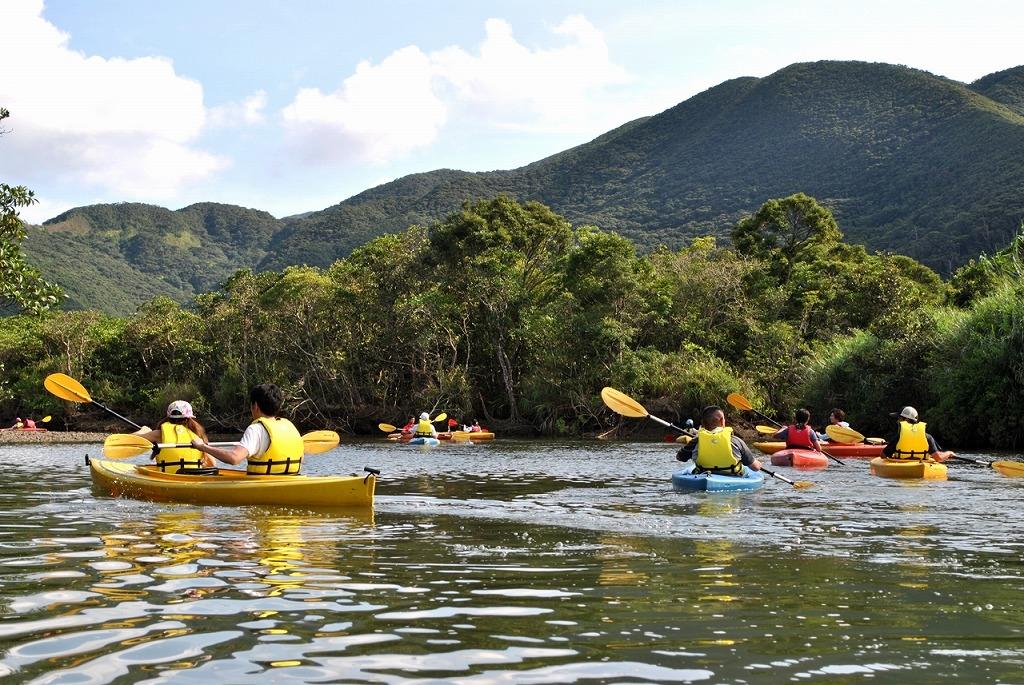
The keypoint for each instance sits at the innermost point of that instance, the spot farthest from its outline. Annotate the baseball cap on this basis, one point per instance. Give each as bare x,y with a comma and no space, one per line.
424,415
906,413
180,409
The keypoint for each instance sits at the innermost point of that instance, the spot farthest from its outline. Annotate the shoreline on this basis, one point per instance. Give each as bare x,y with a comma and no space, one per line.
17,437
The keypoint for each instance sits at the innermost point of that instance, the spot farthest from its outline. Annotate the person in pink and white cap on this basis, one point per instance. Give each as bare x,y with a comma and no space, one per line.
179,429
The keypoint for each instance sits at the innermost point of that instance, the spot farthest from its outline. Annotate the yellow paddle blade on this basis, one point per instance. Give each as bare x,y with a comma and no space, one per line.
45,419
320,441
803,484
739,401
124,445
766,430
621,403
386,427
462,435
440,417
66,388
1009,468
842,434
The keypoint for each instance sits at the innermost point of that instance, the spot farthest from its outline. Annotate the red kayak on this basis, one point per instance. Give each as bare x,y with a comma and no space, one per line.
807,459
836,449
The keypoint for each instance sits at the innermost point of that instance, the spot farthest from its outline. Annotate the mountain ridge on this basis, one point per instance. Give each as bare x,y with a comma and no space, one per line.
909,161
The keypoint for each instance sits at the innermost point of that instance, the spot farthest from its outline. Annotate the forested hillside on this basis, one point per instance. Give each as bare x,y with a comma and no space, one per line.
909,162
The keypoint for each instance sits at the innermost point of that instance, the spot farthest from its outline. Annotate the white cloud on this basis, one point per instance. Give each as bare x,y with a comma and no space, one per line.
247,112
122,125
380,112
387,110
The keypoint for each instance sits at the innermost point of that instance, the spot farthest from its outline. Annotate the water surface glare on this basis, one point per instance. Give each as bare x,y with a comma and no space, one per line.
515,562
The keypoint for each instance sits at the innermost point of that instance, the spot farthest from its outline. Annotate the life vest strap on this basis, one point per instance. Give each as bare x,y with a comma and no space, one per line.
735,470
180,464
271,463
898,454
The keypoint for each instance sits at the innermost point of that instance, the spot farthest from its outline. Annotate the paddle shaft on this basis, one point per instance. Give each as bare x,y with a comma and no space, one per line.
114,413
984,462
665,423
773,474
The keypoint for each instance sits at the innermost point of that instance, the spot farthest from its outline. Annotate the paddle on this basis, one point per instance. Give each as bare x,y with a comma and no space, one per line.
125,445
843,434
67,388
388,428
743,404
45,419
1009,468
766,430
623,404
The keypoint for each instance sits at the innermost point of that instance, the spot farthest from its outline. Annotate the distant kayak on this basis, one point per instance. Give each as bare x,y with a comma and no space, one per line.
477,436
430,442
686,480
861,449
808,459
908,468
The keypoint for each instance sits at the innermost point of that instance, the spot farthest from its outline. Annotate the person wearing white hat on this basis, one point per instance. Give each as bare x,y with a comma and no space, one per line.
179,428
912,441
425,429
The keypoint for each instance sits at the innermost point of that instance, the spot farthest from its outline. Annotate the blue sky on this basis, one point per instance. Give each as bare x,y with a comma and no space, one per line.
292,107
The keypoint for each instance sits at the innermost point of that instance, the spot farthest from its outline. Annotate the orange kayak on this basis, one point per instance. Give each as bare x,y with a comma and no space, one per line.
808,459
861,449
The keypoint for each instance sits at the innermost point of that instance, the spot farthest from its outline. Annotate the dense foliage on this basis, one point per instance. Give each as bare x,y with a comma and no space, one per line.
507,313
909,162
22,286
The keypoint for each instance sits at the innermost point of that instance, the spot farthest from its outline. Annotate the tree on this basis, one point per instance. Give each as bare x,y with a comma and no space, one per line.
786,231
21,285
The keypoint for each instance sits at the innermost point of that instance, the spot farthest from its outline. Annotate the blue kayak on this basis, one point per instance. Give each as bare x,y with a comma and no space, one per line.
686,479
424,441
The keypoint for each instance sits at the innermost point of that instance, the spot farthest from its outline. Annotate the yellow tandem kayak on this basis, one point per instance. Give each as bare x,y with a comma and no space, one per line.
908,468
231,486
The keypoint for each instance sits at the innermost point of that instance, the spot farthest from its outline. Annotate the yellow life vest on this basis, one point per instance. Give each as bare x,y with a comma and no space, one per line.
714,452
424,428
174,459
285,454
913,442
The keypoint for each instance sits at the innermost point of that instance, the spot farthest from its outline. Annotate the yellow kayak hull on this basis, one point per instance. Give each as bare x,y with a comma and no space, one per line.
908,468
232,487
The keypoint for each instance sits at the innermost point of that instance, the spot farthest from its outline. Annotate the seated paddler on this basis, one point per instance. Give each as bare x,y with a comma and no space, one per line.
716,449
271,445
180,427
913,441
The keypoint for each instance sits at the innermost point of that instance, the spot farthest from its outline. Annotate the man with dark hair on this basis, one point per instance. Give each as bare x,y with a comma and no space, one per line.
716,449
271,445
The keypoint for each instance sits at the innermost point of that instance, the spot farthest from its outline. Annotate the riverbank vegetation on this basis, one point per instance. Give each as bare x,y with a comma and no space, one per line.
506,313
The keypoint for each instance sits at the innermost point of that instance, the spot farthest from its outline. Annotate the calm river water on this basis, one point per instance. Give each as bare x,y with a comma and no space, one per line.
515,562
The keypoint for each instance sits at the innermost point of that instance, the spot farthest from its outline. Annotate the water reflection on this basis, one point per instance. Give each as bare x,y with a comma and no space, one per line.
527,563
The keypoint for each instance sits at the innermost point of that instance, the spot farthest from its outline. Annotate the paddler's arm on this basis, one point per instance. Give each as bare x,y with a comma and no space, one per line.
234,455
936,452
687,451
746,457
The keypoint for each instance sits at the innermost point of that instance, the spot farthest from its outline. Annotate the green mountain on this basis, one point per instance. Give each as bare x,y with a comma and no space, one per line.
910,162
1005,87
114,257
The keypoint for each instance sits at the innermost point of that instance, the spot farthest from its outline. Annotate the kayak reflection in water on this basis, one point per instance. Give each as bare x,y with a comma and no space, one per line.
912,441
716,449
